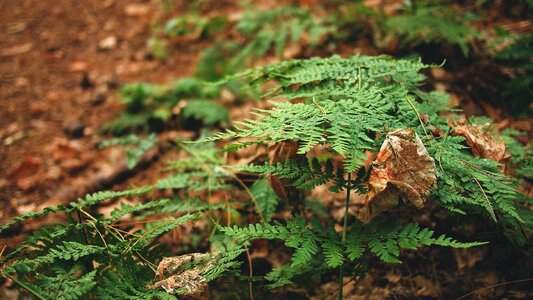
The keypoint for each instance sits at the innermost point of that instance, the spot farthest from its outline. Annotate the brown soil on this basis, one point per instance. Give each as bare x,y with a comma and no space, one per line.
61,63
58,82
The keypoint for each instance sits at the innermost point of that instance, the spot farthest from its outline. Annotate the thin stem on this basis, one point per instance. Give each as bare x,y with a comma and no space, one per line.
25,286
419,119
344,227
250,272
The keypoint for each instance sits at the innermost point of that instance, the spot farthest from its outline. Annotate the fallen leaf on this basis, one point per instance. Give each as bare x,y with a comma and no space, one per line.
425,287
282,152
484,140
27,168
174,279
402,170
16,50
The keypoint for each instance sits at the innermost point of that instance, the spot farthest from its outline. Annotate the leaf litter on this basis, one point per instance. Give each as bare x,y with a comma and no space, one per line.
403,170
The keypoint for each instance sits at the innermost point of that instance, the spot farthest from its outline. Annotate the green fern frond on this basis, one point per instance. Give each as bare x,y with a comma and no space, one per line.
385,242
435,24
157,228
266,198
274,28
304,174
65,286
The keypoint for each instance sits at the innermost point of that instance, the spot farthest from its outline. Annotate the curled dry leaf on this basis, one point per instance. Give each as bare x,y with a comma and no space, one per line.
484,140
403,170
174,278
281,152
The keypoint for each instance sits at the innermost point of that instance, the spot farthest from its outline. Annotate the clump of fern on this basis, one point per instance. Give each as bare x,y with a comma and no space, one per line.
262,33
443,25
275,29
344,106
520,88
90,254
115,255
182,29
347,106
151,107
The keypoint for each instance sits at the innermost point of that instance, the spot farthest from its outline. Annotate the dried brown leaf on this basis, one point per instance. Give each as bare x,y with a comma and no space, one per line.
484,140
403,170
282,152
175,279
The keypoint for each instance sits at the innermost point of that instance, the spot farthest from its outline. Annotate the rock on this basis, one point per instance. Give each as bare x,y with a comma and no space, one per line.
16,50
86,82
98,98
38,108
439,74
74,128
78,66
136,10
109,42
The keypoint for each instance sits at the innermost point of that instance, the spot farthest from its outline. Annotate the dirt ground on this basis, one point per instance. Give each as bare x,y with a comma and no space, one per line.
61,64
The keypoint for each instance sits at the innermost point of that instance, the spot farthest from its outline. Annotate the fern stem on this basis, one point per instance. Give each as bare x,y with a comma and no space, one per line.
25,286
419,119
344,227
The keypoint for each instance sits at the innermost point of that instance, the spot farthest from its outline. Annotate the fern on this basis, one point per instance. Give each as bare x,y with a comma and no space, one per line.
344,105
518,89
90,199
274,28
474,182
304,174
128,282
151,106
206,111
133,154
521,156
64,285
157,228
433,24
266,198
384,239
350,102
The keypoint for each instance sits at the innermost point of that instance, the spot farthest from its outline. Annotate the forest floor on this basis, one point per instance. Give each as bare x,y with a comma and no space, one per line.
60,67
61,63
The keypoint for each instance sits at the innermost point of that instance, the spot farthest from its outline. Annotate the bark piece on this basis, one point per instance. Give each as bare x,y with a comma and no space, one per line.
403,170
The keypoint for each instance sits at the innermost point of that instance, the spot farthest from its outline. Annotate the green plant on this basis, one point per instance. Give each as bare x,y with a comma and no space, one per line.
135,147
351,106
344,108
150,107
262,32
109,256
190,26
273,28
433,24
519,89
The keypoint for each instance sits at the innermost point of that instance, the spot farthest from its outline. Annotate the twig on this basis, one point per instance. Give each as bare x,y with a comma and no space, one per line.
344,226
251,272
493,286
419,118
486,198
247,190
25,286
